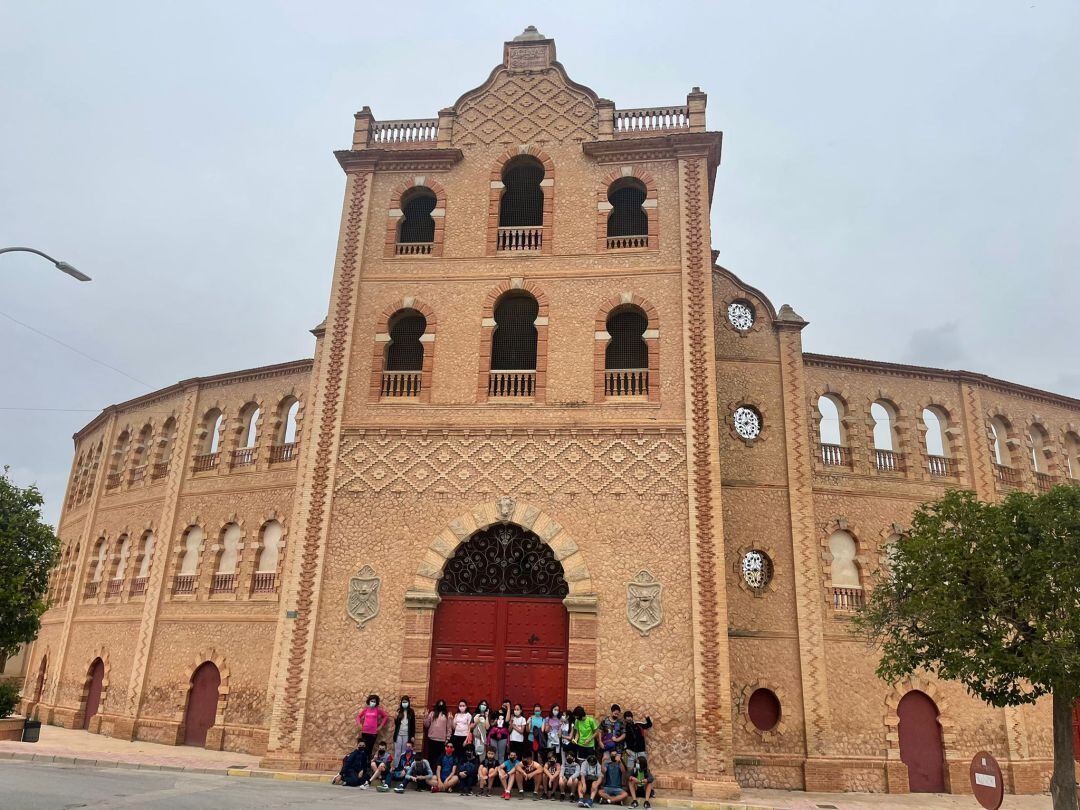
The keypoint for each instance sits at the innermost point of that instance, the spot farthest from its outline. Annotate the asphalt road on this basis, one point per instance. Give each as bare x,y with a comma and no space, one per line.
46,786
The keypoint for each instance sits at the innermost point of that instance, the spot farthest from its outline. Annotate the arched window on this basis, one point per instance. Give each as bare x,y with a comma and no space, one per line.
937,446
521,207
416,233
225,574
1037,439
146,554
513,346
999,432
627,224
116,581
626,358
209,443
886,457
164,449
832,433
284,446
1072,455
76,481
116,463
846,583
189,561
250,421
97,569
142,453
403,363
266,566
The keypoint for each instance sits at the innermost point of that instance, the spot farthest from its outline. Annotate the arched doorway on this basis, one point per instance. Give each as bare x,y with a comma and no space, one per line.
921,748
501,629
202,703
93,692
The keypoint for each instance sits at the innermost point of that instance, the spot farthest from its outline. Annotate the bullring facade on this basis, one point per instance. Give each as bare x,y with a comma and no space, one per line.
532,364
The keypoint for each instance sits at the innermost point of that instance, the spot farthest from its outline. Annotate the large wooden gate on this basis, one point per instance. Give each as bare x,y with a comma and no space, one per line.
921,747
501,629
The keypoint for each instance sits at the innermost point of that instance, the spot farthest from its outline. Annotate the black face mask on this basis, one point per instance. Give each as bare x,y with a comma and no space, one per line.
592,760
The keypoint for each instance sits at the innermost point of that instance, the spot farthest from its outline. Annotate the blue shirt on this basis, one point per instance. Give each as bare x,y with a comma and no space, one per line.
446,765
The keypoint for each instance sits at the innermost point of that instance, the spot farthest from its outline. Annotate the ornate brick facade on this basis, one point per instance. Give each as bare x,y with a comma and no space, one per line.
637,490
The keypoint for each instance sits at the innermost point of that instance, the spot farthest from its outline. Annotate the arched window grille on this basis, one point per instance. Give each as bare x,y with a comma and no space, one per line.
626,358
404,364
416,233
521,207
628,224
513,346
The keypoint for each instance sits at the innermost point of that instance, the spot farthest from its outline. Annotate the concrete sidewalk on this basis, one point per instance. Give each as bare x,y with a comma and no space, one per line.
76,747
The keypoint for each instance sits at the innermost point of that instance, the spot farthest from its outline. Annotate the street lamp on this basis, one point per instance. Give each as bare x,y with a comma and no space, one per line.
63,266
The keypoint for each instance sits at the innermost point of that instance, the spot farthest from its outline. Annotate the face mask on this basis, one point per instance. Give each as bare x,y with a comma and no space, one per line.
371,703
404,704
449,750
536,712
499,722
362,746
409,748
555,712
482,707
592,760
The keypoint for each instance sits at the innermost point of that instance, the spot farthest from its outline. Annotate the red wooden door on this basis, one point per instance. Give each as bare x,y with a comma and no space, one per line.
202,704
93,695
921,748
491,647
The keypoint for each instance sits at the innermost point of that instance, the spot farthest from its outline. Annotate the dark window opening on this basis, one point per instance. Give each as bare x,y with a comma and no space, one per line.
627,348
405,351
513,343
417,225
522,203
627,217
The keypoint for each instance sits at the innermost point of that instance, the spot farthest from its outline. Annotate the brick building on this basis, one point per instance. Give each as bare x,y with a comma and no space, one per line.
547,449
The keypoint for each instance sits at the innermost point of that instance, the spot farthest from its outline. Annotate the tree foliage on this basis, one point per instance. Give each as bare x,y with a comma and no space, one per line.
987,595
28,551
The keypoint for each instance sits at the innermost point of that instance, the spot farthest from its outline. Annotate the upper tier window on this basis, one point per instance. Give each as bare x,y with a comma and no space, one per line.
522,202
417,224
627,217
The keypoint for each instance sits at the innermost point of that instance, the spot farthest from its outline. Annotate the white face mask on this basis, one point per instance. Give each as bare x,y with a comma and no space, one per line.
482,707
371,703
404,704
499,721
555,712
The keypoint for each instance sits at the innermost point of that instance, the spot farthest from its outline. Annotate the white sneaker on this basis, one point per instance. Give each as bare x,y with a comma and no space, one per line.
365,786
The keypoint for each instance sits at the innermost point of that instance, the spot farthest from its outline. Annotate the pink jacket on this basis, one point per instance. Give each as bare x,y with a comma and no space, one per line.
371,720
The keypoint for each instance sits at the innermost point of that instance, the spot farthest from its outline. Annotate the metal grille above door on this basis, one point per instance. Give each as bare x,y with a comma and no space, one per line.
405,351
417,225
513,343
627,348
522,203
503,560
627,217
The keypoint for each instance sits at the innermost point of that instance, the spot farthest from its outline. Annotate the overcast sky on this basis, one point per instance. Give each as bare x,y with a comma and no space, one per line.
906,175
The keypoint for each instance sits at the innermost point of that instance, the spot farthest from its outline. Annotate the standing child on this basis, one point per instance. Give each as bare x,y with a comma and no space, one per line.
437,727
480,723
461,726
553,733
404,726
635,738
584,732
370,720
641,779
518,724
537,737
612,730
498,735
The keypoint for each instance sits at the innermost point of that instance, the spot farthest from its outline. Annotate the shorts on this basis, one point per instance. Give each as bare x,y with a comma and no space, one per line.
608,790
631,757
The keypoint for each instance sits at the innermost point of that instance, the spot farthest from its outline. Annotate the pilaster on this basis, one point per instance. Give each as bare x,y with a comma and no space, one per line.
294,640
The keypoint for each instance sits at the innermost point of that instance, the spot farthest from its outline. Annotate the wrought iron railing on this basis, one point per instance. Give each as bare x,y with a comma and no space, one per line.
138,586
161,469
113,481
282,452
517,239
223,583
652,119
625,242
184,583
1044,481
511,383
264,582
847,598
417,130
114,587
626,382
243,457
138,474
835,455
90,591
401,384
413,248
888,461
1008,476
206,461
941,466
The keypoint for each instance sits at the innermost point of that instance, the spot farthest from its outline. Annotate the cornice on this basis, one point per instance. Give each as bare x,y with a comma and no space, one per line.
396,160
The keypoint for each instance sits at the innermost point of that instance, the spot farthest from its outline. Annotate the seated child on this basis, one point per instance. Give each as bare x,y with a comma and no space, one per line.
641,778
509,772
354,766
467,772
531,772
611,790
552,773
419,774
488,772
403,767
589,778
379,769
568,779
446,774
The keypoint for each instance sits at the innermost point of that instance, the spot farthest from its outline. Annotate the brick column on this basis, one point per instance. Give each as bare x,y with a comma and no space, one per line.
713,760
806,552
295,637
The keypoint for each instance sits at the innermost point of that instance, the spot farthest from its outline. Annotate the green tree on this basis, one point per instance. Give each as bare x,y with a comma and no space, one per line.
28,551
988,595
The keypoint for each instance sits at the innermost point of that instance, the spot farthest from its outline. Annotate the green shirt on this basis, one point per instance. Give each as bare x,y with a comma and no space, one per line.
586,730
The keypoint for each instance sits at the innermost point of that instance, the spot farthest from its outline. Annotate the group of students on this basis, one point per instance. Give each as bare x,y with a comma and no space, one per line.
560,755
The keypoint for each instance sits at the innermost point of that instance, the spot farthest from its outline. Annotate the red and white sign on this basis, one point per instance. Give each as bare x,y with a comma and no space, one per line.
986,781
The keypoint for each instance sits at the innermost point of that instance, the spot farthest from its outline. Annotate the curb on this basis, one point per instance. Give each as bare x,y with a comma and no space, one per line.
56,759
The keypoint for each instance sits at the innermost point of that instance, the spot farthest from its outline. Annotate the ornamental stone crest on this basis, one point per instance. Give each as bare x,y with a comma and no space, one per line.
644,609
363,604
505,507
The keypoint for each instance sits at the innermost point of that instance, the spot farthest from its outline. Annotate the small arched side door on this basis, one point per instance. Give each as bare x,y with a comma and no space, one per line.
921,747
202,704
93,694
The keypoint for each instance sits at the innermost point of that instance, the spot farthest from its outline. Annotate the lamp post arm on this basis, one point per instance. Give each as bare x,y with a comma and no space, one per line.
60,265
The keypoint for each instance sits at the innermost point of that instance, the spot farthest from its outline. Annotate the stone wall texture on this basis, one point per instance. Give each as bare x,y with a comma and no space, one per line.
662,481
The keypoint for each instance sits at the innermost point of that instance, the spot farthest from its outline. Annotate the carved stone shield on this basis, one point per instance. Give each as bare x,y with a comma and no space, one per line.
644,609
363,604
